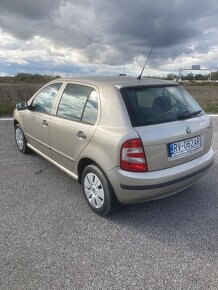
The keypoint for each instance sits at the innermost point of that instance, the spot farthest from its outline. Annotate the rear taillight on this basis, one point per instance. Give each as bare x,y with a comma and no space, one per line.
132,156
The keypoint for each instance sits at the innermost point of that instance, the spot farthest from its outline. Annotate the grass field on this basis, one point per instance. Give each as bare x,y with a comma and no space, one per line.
12,93
206,95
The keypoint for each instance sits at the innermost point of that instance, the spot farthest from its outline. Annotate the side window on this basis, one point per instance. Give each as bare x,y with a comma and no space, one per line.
73,101
90,113
44,101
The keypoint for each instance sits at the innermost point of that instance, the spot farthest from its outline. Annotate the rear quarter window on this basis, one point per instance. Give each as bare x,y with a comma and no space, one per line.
90,113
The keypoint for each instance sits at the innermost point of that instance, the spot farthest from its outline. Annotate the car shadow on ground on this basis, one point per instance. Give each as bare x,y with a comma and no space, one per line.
188,217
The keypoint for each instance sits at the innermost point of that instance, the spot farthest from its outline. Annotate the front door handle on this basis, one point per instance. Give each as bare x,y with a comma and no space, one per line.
80,134
44,123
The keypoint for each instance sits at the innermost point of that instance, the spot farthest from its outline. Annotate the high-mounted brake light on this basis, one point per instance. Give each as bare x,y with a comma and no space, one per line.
132,156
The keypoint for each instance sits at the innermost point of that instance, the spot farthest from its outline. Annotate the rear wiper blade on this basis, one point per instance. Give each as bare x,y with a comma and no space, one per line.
186,114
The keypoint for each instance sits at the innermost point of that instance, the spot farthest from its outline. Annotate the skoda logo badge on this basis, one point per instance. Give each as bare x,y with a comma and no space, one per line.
188,130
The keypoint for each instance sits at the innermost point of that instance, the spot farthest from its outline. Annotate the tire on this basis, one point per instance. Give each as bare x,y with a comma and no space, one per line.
20,140
97,190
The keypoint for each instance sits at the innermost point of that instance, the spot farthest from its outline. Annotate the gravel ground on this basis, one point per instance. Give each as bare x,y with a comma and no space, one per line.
49,239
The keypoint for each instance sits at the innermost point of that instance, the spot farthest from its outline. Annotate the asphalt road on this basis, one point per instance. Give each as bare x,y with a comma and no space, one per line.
49,239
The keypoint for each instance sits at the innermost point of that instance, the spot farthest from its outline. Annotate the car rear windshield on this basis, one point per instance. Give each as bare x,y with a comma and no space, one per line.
154,105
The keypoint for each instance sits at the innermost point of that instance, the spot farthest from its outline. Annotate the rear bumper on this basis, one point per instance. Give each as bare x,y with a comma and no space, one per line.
133,187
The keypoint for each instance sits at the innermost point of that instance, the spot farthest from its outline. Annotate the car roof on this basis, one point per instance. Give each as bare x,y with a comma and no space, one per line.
119,81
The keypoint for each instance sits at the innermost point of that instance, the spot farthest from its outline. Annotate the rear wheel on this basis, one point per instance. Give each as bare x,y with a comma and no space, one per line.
97,190
20,139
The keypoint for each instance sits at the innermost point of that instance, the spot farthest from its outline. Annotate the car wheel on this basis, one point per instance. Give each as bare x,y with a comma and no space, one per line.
20,139
97,190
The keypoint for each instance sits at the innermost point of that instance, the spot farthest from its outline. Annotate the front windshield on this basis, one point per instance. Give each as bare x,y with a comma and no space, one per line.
154,105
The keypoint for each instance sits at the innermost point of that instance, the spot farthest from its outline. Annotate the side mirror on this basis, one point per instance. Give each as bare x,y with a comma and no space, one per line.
22,106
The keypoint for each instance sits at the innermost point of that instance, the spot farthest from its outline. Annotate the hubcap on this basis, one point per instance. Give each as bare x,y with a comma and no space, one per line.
19,138
94,190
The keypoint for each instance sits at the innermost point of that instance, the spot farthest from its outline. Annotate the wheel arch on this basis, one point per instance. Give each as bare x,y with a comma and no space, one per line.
15,122
82,165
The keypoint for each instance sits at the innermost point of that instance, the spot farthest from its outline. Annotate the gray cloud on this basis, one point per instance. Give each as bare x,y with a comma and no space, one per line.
29,9
115,32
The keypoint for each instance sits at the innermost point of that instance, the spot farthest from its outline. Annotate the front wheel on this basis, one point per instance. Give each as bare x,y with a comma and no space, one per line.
97,190
20,139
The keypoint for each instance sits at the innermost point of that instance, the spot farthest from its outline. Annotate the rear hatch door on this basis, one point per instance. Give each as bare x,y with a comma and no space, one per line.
171,124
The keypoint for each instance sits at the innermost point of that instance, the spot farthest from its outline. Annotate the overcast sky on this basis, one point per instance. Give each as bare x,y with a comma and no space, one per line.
107,36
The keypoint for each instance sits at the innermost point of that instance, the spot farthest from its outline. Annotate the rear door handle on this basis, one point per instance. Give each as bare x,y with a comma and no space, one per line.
44,123
80,134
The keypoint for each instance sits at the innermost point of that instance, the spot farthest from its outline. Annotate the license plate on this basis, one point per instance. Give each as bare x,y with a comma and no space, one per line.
184,146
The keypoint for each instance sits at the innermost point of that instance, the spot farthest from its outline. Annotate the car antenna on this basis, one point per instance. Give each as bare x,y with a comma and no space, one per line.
140,76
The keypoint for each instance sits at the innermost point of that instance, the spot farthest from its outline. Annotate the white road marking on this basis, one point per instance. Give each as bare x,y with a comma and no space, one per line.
6,119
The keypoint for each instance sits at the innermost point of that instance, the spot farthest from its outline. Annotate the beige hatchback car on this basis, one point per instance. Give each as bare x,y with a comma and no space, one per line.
124,139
